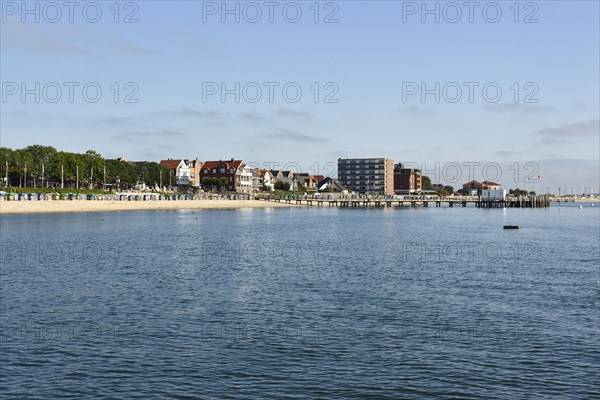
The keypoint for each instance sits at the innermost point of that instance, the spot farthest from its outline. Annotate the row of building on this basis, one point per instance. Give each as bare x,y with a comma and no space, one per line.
357,175
382,176
364,175
237,176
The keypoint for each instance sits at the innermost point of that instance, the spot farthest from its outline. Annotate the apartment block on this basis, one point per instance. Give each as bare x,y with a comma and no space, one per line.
367,175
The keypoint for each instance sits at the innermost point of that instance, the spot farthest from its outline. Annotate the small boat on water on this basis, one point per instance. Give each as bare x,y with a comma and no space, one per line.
512,227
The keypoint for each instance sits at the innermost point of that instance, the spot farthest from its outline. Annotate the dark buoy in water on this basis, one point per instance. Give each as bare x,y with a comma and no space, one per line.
512,227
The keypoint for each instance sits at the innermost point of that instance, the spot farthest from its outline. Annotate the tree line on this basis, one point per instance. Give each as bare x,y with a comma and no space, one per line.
36,165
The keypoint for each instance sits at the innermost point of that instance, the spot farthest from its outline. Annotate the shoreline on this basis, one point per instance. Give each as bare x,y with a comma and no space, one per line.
71,206
77,206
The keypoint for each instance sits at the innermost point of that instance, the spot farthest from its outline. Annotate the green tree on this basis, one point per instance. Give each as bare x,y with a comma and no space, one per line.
281,185
94,164
442,190
517,192
7,157
222,183
25,165
426,182
209,182
55,166
55,162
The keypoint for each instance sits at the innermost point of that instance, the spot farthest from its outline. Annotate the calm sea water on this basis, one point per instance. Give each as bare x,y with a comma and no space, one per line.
301,303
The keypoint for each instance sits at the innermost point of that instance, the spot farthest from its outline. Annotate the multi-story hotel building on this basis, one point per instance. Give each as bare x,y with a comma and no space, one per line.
367,175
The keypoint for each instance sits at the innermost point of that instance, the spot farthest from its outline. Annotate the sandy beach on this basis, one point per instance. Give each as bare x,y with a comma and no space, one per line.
63,206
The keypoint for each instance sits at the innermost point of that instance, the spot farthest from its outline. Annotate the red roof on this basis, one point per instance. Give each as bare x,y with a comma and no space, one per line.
262,172
171,164
214,164
472,183
490,183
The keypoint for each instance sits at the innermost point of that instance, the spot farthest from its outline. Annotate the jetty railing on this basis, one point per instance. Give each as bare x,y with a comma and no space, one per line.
354,201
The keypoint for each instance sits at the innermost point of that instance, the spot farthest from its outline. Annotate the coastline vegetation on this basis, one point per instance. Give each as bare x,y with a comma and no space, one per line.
30,166
16,189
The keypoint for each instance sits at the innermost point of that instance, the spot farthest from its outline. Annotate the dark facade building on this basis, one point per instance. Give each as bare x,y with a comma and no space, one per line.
407,180
367,175
237,173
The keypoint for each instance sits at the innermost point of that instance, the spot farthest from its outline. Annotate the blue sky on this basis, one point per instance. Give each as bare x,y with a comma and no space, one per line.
375,51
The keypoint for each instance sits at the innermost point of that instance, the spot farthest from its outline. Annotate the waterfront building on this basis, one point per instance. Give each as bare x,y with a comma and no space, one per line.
267,179
407,180
493,194
237,173
367,175
179,170
284,176
475,188
328,184
307,182
194,167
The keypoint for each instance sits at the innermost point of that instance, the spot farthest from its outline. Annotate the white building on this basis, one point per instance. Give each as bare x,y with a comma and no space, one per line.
243,179
180,170
497,194
267,179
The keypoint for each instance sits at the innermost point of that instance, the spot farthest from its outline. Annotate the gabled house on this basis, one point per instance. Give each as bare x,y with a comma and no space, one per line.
235,173
255,180
330,183
306,182
302,181
284,176
179,172
472,188
265,179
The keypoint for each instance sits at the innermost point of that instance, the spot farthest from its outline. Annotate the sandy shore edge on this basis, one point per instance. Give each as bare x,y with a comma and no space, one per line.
65,206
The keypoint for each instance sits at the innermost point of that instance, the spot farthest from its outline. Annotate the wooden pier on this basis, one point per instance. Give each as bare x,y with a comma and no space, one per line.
344,202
